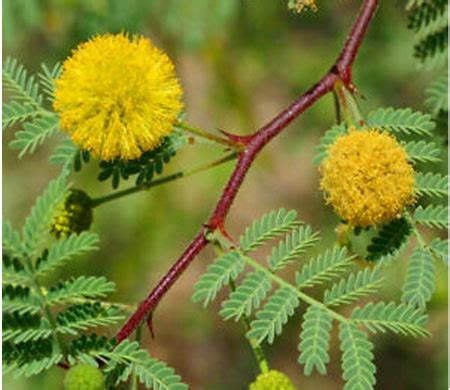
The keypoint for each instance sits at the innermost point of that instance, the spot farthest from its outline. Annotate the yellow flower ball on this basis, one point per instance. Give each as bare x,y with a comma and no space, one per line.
272,380
117,96
366,178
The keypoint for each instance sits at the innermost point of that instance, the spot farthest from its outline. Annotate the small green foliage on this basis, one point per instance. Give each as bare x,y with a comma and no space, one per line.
70,156
275,313
86,315
389,239
437,95
315,340
326,141
82,287
401,121
357,358
247,296
432,216
440,248
37,224
34,134
19,84
422,151
295,244
219,274
269,226
130,358
431,184
400,319
356,286
151,163
324,267
420,279
47,79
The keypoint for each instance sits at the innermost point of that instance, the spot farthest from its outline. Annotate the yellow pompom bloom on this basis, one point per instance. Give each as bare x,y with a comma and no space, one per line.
117,96
367,178
272,380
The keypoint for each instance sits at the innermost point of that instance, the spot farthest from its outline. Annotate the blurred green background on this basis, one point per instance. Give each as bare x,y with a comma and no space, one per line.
239,62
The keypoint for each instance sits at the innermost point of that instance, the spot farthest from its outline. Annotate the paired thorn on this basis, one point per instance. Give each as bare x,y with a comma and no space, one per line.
240,140
149,322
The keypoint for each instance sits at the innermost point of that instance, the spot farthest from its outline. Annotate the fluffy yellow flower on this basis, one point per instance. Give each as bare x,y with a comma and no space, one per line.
118,96
367,178
272,380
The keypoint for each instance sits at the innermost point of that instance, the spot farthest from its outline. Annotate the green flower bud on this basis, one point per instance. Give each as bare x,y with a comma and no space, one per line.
84,377
74,216
272,380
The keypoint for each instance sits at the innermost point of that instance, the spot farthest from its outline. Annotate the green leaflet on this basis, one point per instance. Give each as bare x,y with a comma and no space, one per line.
295,243
315,340
432,216
437,95
400,121
422,151
356,286
268,227
420,279
398,318
247,296
357,358
38,222
275,313
324,267
431,184
151,372
219,274
326,141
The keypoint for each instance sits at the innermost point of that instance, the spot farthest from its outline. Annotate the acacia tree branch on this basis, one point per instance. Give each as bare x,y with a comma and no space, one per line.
252,144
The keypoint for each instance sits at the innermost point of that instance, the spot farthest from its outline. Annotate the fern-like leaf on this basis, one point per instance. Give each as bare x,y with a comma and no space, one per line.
86,315
275,313
11,240
268,227
247,296
41,214
326,141
422,151
224,269
69,156
404,121
20,299
81,287
65,249
151,372
34,367
420,279
432,216
288,250
440,248
324,267
357,358
47,79
356,286
315,340
389,239
21,328
431,184
19,84
437,95
382,316
15,112
34,134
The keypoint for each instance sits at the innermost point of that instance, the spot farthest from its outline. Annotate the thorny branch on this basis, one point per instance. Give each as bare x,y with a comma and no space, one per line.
341,71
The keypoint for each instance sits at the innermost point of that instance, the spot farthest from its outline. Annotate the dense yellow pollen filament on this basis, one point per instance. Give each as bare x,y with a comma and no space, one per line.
118,97
366,178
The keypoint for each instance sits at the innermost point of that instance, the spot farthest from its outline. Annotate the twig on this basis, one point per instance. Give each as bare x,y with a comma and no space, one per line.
253,144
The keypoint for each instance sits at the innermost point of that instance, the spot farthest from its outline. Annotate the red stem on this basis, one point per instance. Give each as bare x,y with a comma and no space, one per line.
252,146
